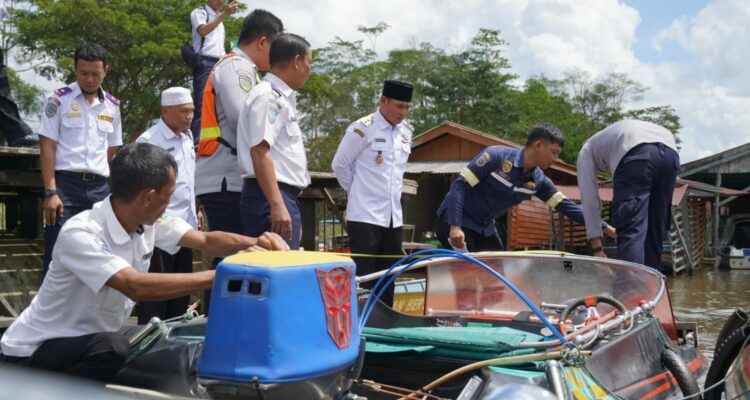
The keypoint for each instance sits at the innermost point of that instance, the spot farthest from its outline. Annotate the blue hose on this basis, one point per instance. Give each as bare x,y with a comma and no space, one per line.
387,280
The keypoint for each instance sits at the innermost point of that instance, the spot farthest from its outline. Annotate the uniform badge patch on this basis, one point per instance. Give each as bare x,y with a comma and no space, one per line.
530,184
246,82
359,132
273,113
104,117
103,246
367,121
482,160
74,107
507,166
50,109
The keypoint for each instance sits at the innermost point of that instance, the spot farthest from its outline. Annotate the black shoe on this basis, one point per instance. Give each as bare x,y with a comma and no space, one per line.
25,141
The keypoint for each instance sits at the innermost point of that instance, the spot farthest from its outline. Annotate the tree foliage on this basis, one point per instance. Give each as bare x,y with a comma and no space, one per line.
143,39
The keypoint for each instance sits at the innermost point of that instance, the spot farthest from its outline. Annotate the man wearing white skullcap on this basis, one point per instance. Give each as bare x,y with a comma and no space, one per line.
172,133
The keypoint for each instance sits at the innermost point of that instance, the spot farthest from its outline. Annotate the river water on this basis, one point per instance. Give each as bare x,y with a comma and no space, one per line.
708,297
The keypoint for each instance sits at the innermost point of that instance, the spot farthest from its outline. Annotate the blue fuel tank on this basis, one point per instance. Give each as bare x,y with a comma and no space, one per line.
279,317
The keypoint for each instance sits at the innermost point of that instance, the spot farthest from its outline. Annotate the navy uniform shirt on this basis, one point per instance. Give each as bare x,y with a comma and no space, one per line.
493,182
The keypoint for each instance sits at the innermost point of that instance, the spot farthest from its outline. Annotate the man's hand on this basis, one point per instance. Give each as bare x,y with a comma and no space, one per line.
611,232
201,219
457,237
270,241
51,206
230,9
599,254
281,221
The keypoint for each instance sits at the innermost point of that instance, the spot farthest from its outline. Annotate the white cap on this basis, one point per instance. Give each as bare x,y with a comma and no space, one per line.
175,96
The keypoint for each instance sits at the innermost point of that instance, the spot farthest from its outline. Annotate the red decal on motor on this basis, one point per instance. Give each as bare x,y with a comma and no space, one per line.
336,290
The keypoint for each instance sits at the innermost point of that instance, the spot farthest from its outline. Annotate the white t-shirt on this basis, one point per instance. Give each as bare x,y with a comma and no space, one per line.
214,44
270,114
74,299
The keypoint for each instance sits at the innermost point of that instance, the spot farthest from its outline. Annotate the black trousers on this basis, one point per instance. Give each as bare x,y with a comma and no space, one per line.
163,262
475,241
76,195
222,211
367,238
97,356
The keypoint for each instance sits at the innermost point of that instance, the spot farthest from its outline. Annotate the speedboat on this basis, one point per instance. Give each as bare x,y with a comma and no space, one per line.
729,373
492,326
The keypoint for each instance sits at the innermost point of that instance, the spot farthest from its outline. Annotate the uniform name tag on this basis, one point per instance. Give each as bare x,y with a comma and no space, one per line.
105,118
379,145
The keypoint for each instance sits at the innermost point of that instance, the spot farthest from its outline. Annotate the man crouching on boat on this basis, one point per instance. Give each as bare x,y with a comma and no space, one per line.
99,270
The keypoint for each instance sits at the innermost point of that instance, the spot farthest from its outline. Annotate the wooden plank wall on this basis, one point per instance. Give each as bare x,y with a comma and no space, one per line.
697,220
20,271
529,226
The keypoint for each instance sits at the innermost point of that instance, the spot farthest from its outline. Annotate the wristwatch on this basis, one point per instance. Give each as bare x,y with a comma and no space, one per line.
50,192
596,249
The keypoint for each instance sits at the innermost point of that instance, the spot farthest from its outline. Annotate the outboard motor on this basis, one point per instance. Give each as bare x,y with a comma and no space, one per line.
282,325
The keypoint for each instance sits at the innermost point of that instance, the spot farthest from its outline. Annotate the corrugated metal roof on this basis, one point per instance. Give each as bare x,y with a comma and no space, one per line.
606,193
435,167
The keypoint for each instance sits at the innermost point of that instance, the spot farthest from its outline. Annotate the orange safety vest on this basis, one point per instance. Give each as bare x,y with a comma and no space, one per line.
210,138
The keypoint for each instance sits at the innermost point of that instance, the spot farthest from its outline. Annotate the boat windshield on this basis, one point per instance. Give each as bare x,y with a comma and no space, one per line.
457,287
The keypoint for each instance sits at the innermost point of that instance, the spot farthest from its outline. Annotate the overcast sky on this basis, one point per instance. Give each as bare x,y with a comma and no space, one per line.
691,54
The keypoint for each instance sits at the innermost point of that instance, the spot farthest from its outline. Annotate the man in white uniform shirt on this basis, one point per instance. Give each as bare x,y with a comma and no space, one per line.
100,269
270,147
79,133
172,133
207,27
369,164
217,176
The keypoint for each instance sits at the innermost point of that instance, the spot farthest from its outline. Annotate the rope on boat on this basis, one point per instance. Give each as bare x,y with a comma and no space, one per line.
384,281
402,393
514,360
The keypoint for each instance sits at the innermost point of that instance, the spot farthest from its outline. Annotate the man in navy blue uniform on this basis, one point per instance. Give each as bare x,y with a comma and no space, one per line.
497,179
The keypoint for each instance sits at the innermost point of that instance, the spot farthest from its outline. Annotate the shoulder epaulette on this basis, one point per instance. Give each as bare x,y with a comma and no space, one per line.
62,91
111,98
367,121
277,91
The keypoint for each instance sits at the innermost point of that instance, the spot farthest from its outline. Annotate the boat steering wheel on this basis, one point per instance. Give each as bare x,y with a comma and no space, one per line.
591,301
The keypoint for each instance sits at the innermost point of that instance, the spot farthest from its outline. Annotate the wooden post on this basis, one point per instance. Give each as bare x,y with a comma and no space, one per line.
717,206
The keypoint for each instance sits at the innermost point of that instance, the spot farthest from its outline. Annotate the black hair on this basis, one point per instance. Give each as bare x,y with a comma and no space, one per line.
285,47
260,23
90,52
139,166
547,133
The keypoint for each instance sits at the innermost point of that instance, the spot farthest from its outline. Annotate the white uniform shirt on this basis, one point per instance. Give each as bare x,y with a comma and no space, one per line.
74,299
83,131
213,46
602,153
374,188
232,77
182,202
270,114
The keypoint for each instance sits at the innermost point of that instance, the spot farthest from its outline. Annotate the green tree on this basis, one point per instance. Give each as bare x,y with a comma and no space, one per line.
28,97
143,39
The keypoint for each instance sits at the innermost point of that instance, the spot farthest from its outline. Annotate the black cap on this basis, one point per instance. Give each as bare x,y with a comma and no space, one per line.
398,90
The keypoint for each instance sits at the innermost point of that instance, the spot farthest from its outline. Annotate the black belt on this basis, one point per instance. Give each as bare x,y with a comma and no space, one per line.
282,186
84,176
